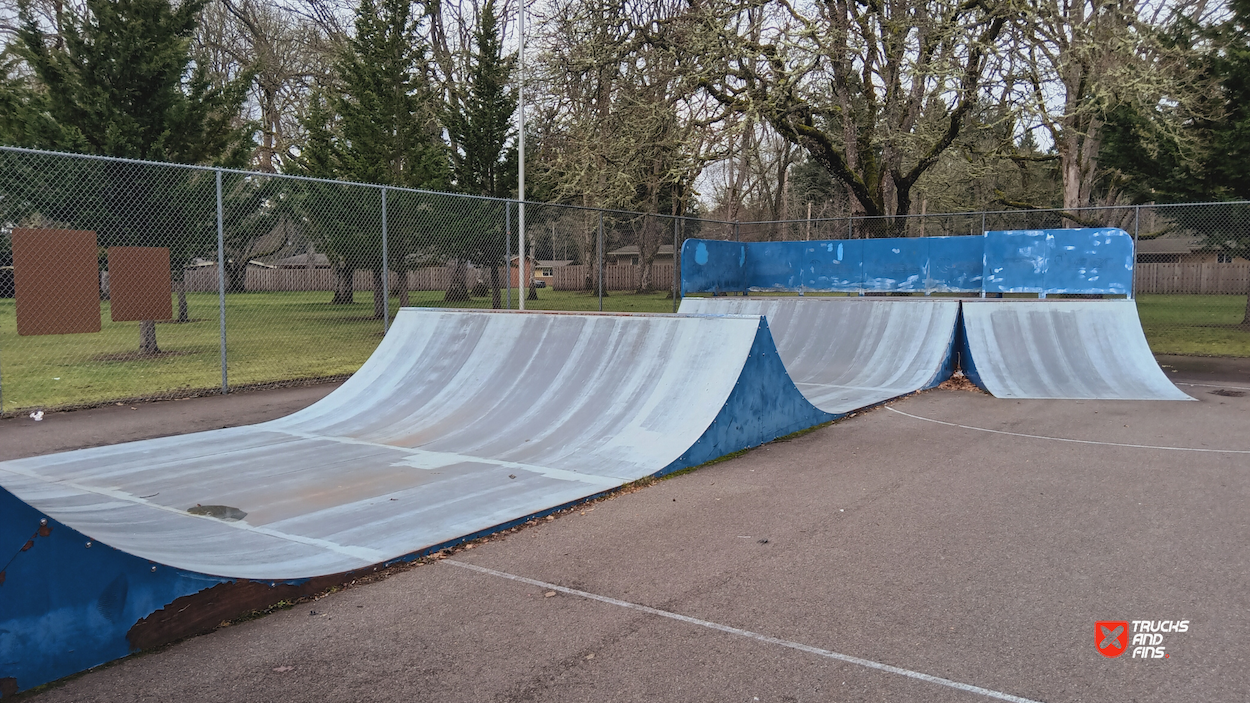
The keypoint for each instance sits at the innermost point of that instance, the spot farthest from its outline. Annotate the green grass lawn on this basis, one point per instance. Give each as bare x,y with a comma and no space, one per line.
282,337
270,337
1197,325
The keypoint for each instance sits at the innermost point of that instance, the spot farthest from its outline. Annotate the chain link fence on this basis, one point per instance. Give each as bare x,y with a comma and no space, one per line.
154,280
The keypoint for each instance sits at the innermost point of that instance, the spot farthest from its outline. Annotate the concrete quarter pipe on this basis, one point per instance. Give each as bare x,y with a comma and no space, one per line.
1077,349
849,353
460,423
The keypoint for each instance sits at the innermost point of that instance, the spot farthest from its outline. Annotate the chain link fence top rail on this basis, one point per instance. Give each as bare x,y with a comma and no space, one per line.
158,280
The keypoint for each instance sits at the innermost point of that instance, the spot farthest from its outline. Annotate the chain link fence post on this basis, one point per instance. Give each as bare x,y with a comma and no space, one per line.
507,248
521,283
676,273
386,273
1132,289
221,284
600,262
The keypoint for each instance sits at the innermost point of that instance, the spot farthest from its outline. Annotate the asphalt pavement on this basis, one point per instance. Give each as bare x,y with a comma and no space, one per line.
948,547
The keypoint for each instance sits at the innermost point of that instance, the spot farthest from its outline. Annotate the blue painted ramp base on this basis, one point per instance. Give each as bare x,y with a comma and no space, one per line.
460,424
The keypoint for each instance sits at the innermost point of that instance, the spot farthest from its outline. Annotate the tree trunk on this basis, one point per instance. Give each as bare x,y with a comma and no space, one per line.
236,277
496,301
403,289
182,299
147,338
646,251
1245,320
379,293
457,288
533,294
343,288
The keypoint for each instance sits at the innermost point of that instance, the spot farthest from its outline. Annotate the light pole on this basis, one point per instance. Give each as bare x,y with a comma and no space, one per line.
520,91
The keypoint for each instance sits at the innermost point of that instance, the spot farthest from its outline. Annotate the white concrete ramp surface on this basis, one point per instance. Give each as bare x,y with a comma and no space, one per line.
1065,349
460,421
849,353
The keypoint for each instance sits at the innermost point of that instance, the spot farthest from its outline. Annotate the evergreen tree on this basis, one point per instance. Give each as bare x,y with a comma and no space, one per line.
387,109
379,124
1228,169
1216,163
120,81
117,84
483,161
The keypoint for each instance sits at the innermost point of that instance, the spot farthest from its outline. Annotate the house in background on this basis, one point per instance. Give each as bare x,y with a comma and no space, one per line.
1182,249
629,255
545,270
512,270
303,261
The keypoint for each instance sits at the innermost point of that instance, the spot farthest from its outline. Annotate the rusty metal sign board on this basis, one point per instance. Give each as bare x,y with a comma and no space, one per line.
56,277
139,284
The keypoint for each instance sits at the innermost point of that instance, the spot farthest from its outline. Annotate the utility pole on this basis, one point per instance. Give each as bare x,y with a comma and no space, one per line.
520,92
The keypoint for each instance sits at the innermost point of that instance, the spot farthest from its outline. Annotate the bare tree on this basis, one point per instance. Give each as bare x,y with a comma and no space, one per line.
286,54
620,129
849,81
1078,61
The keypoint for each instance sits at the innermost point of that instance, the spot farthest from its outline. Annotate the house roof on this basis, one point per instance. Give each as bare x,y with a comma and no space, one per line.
302,260
632,250
1170,244
552,263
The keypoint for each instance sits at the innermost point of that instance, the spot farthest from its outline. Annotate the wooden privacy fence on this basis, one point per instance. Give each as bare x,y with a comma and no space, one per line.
204,279
1193,278
615,277
1210,278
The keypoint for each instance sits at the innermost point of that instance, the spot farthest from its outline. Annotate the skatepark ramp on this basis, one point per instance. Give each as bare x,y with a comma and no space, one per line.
460,423
1078,349
850,353
1013,348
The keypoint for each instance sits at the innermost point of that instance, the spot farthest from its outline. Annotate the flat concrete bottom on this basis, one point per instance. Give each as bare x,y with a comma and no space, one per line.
127,422
981,557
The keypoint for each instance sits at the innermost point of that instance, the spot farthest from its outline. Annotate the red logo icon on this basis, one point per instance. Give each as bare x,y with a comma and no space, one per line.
1111,637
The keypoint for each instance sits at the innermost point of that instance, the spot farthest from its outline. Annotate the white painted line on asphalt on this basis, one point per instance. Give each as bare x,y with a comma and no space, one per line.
1073,441
748,634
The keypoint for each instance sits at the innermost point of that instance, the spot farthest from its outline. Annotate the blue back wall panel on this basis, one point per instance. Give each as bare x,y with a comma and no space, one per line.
1090,261
775,265
710,266
896,264
1015,261
833,265
956,264
1084,260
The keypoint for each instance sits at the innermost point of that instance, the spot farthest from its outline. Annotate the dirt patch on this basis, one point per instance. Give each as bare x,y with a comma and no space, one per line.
140,356
1228,393
959,382
182,322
